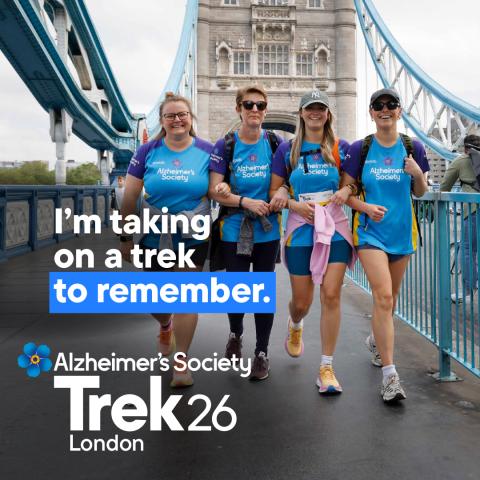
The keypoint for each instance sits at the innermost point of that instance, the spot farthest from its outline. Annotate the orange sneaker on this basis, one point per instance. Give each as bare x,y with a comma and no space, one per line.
181,378
166,340
293,342
326,381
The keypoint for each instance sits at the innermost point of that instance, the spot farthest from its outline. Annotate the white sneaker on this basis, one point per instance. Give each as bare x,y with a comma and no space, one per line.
457,298
391,390
181,379
376,359
460,298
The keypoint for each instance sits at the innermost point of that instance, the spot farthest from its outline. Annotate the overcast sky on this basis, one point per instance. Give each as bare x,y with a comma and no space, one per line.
441,36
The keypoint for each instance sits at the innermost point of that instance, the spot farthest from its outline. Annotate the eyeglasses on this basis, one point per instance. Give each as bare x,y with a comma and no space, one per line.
248,105
171,116
378,106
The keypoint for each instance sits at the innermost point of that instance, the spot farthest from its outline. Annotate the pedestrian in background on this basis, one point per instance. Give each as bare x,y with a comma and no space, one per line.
462,169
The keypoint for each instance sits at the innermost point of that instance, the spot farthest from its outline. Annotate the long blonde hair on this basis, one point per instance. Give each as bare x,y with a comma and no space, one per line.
169,98
328,140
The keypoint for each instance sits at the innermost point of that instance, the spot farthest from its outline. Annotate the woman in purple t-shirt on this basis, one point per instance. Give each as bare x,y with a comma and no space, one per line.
384,227
173,169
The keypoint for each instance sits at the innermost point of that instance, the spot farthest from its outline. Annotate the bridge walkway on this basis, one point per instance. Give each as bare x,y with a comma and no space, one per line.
284,430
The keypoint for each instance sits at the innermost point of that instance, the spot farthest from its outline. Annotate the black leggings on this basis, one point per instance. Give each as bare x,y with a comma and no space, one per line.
263,260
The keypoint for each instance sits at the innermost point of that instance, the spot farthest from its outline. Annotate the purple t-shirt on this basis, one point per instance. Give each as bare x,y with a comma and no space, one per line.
385,183
250,173
176,180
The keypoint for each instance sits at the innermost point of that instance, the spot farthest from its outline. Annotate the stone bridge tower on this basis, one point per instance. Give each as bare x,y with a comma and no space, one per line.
288,46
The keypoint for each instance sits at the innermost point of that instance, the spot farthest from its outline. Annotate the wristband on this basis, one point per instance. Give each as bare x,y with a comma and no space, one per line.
240,202
284,185
126,238
352,187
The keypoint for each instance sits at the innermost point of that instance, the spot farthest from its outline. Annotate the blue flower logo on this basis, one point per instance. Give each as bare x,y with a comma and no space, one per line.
34,359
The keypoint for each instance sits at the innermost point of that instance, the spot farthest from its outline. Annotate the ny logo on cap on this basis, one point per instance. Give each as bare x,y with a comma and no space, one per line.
315,94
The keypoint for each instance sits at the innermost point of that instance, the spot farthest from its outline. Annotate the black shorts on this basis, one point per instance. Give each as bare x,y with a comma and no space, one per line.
392,257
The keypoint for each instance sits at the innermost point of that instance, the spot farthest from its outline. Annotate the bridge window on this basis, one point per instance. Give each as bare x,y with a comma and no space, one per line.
273,59
315,4
305,64
241,63
322,65
223,62
273,3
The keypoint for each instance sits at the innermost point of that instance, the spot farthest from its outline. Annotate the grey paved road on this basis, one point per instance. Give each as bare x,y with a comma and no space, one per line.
285,430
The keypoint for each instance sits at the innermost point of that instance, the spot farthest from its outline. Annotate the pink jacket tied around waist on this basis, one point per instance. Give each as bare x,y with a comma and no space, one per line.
327,220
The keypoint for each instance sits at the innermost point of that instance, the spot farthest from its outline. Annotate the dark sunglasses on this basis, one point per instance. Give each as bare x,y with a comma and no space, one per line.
391,105
248,105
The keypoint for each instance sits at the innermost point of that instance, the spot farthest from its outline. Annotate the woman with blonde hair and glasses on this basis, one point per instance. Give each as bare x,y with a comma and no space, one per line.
173,169
317,243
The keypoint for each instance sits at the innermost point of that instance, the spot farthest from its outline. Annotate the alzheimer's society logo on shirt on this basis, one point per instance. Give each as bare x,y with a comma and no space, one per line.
387,174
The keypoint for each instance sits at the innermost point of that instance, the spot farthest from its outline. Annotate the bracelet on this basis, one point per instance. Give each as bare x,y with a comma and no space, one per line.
284,185
126,238
240,202
353,188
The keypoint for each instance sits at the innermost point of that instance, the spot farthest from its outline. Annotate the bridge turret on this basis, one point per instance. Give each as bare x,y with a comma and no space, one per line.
345,69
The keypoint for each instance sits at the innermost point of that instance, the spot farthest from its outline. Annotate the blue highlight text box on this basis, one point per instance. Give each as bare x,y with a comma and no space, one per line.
162,292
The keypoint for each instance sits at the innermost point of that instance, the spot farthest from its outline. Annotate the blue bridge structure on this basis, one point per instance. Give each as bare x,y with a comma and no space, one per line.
56,50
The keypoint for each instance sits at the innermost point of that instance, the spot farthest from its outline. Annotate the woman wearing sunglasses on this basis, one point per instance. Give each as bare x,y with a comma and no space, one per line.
318,241
173,169
240,168
385,229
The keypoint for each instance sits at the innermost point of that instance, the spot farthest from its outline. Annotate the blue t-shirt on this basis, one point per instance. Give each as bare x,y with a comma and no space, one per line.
386,183
250,171
322,176
177,180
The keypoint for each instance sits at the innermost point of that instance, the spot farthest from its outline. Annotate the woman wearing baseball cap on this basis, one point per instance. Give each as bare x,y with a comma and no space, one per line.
384,228
318,243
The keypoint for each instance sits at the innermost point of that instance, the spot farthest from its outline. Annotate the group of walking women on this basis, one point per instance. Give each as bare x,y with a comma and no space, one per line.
253,174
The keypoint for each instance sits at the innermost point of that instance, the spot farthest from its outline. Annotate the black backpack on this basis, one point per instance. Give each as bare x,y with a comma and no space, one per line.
230,148
215,257
367,142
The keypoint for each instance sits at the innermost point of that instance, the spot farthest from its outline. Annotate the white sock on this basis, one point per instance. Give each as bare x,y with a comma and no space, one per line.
167,326
296,326
388,370
326,360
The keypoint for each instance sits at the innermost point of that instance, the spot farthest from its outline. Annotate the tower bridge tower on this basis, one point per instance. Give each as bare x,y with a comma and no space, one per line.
288,47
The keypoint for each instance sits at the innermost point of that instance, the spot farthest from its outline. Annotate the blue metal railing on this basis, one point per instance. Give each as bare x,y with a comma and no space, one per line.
439,296
27,214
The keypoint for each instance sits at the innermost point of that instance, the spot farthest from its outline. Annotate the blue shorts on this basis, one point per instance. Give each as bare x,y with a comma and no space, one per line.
298,258
392,257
